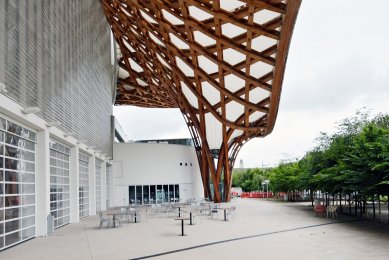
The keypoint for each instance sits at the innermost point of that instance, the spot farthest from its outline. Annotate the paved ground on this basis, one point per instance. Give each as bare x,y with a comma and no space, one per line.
262,229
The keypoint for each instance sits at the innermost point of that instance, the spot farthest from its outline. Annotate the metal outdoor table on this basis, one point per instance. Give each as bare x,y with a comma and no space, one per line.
179,209
190,217
133,212
182,224
225,212
114,216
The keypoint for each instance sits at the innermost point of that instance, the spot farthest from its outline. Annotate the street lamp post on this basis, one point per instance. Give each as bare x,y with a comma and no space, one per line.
263,186
267,188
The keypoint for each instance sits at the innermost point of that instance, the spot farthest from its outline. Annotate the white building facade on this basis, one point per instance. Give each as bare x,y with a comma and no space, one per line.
42,172
56,94
155,173
57,157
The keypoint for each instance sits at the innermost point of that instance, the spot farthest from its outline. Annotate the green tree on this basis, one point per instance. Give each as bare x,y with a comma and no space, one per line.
249,180
284,178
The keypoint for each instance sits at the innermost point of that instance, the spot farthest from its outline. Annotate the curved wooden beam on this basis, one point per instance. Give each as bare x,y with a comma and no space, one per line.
165,63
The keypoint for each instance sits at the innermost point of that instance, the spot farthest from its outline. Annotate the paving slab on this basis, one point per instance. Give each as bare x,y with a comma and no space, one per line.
261,228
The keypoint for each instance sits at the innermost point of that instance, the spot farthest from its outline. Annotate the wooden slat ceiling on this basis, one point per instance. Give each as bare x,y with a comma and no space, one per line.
220,62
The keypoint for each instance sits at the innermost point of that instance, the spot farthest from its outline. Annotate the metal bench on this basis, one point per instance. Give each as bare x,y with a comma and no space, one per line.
319,209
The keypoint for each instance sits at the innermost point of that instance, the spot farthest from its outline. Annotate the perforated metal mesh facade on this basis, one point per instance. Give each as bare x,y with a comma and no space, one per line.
56,55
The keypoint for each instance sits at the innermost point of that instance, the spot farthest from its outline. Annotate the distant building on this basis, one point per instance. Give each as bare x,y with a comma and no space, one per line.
153,172
241,164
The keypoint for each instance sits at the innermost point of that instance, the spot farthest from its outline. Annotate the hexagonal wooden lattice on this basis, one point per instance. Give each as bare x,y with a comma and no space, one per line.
220,62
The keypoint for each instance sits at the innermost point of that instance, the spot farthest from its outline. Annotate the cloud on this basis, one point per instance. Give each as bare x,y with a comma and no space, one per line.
151,123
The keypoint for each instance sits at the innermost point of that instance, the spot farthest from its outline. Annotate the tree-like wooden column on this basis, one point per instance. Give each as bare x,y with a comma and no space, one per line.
220,62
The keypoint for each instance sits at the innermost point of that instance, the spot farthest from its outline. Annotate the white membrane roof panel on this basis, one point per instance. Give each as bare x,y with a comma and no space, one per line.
229,5
258,94
210,93
234,110
192,99
214,131
123,73
264,16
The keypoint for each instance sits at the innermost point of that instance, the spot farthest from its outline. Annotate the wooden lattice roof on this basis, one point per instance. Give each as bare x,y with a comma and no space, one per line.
221,62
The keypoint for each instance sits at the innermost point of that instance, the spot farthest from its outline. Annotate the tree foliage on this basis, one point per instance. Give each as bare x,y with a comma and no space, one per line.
355,159
249,180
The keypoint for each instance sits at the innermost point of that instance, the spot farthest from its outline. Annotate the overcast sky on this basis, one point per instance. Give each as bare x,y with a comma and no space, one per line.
338,63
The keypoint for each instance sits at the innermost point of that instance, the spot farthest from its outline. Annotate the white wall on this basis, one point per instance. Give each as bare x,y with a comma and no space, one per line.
11,110
151,164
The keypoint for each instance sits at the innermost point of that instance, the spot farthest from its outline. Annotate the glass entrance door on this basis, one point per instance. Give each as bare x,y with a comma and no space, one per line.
138,195
159,194
153,197
131,195
146,194
171,193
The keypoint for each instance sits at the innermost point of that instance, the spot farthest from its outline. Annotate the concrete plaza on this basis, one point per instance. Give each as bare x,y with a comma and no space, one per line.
261,229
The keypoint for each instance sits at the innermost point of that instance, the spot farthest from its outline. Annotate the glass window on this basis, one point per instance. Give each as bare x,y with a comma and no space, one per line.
59,182
2,123
153,197
28,177
14,128
28,211
131,195
12,201
171,193
83,190
12,238
98,185
153,194
12,225
177,192
12,176
27,233
138,195
165,193
146,194
159,194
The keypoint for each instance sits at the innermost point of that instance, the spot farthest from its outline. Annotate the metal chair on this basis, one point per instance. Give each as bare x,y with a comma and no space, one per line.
331,210
213,211
231,212
104,219
125,217
319,209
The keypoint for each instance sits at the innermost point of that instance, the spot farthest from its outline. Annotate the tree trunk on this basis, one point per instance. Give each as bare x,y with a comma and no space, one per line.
388,208
379,208
373,208
349,203
355,205
340,202
311,193
365,206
